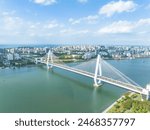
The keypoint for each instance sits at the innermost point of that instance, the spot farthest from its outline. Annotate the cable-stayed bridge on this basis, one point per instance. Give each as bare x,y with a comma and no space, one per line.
97,69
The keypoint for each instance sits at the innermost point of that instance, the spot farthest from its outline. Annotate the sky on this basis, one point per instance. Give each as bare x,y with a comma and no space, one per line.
115,22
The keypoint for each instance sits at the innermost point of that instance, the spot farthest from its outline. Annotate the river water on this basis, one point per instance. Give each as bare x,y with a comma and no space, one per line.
35,89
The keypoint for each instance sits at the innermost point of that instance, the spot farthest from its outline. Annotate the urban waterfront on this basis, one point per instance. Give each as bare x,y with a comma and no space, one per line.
35,89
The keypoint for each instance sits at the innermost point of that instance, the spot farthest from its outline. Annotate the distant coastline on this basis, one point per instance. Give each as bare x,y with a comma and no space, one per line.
2,46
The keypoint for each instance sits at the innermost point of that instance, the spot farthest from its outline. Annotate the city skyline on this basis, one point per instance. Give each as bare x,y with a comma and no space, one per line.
75,22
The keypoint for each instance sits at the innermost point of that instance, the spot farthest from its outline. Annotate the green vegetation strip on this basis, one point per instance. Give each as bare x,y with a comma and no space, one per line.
131,103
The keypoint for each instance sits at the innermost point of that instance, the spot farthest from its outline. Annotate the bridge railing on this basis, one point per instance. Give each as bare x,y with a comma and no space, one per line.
102,77
122,83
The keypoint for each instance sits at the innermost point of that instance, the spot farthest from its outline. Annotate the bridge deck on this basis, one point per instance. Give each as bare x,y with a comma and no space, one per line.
102,78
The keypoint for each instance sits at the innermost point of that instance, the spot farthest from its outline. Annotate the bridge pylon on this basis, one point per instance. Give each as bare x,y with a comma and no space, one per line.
50,60
98,71
148,92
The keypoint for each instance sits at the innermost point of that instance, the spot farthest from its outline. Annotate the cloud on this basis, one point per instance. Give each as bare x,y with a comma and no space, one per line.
143,22
91,19
67,31
22,30
125,27
45,2
9,21
51,25
83,1
117,27
117,7
73,21
71,31
85,31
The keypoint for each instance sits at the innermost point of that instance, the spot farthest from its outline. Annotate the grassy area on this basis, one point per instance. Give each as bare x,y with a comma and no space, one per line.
131,103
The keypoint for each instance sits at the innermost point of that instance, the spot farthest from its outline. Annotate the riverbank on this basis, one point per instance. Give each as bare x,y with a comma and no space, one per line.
108,108
129,103
70,61
127,58
14,67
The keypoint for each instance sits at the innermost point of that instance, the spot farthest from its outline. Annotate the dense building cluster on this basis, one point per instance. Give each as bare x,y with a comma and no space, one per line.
26,55
108,52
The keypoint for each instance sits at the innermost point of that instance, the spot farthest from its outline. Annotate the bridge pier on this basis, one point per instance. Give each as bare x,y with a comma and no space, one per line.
147,92
148,96
96,85
49,66
49,57
98,72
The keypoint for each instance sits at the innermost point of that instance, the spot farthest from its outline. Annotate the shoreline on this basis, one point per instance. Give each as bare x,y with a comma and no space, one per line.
114,103
127,58
12,67
77,60
129,94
